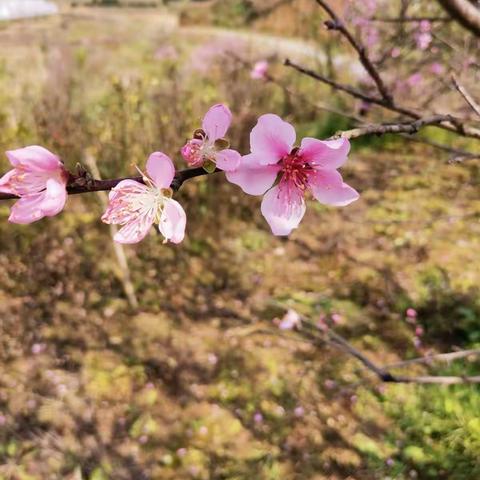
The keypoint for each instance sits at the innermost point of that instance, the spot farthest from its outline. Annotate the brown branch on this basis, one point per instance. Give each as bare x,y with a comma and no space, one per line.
449,123
79,185
383,373
466,95
464,13
438,357
336,24
410,19
381,129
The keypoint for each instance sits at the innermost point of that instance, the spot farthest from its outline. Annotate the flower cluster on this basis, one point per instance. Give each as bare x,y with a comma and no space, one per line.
277,169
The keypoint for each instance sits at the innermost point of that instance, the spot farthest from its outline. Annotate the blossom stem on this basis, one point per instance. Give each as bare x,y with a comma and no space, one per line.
79,185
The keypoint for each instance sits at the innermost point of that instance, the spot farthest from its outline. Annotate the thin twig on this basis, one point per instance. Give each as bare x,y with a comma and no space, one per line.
449,123
336,24
466,95
79,185
410,19
438,357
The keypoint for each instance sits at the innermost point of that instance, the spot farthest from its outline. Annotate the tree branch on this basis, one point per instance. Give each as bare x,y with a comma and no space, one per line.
336,24
449,122
464,13
466,95
80,184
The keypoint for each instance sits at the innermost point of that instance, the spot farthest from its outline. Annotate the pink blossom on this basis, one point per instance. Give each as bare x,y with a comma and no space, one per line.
395,52
437,68
419,331
259,70
208,148
39,179
424,37
414,80
290,321
411,313
312,166
138,206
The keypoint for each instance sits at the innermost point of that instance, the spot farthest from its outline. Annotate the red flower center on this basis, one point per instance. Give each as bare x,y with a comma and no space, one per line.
295,170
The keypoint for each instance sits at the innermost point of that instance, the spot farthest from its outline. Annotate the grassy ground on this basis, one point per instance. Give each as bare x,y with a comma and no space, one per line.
199,382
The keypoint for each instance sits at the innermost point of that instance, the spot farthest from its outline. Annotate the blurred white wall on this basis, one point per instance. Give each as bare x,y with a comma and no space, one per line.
12,9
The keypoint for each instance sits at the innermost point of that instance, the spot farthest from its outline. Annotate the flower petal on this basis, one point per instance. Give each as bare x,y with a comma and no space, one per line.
35,158
27,209
173,221
228,160
325,154
283,208
134,231
4,182
54,197
217,121
271,139
327,187
253,178
160,169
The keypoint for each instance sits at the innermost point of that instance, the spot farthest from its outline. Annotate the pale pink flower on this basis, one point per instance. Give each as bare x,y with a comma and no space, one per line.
138,206
208,148
290,320
39,179
414,80
411,313
259,70
437,68
312,166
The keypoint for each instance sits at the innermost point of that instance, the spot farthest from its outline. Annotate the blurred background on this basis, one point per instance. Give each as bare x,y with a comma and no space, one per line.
177,362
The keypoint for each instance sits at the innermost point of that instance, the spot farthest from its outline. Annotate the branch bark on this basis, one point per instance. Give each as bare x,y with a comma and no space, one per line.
79,185
464,13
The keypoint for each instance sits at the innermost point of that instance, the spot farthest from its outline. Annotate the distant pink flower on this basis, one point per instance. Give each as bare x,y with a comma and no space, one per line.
419,331
259,70
395,52
208,148
290,321
423,38
137,207
39,179
166,52
414,80
437,68
312,166
411,313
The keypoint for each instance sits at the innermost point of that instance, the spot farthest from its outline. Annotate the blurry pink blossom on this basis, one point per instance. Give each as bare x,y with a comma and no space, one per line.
411,313
395,52
419,331
259,70
417,342
423,38
299,411
39,179
312,166
137,207
181,452
437,68
208,148
337,318
330,383
38,348
258,418
414,80
290,321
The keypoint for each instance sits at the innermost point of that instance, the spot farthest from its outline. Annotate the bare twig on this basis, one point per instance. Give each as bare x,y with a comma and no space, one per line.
466,95
449,123
410,19
464,12
122,260
78,185
438,357
336,24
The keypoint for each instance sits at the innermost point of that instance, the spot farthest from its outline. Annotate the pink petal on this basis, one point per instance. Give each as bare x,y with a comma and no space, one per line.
271,139
173,221
27,209
325,154
327,187
54,197
253,178
217,121
134,231
160,169
34,158
228,160
4,181
283,209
